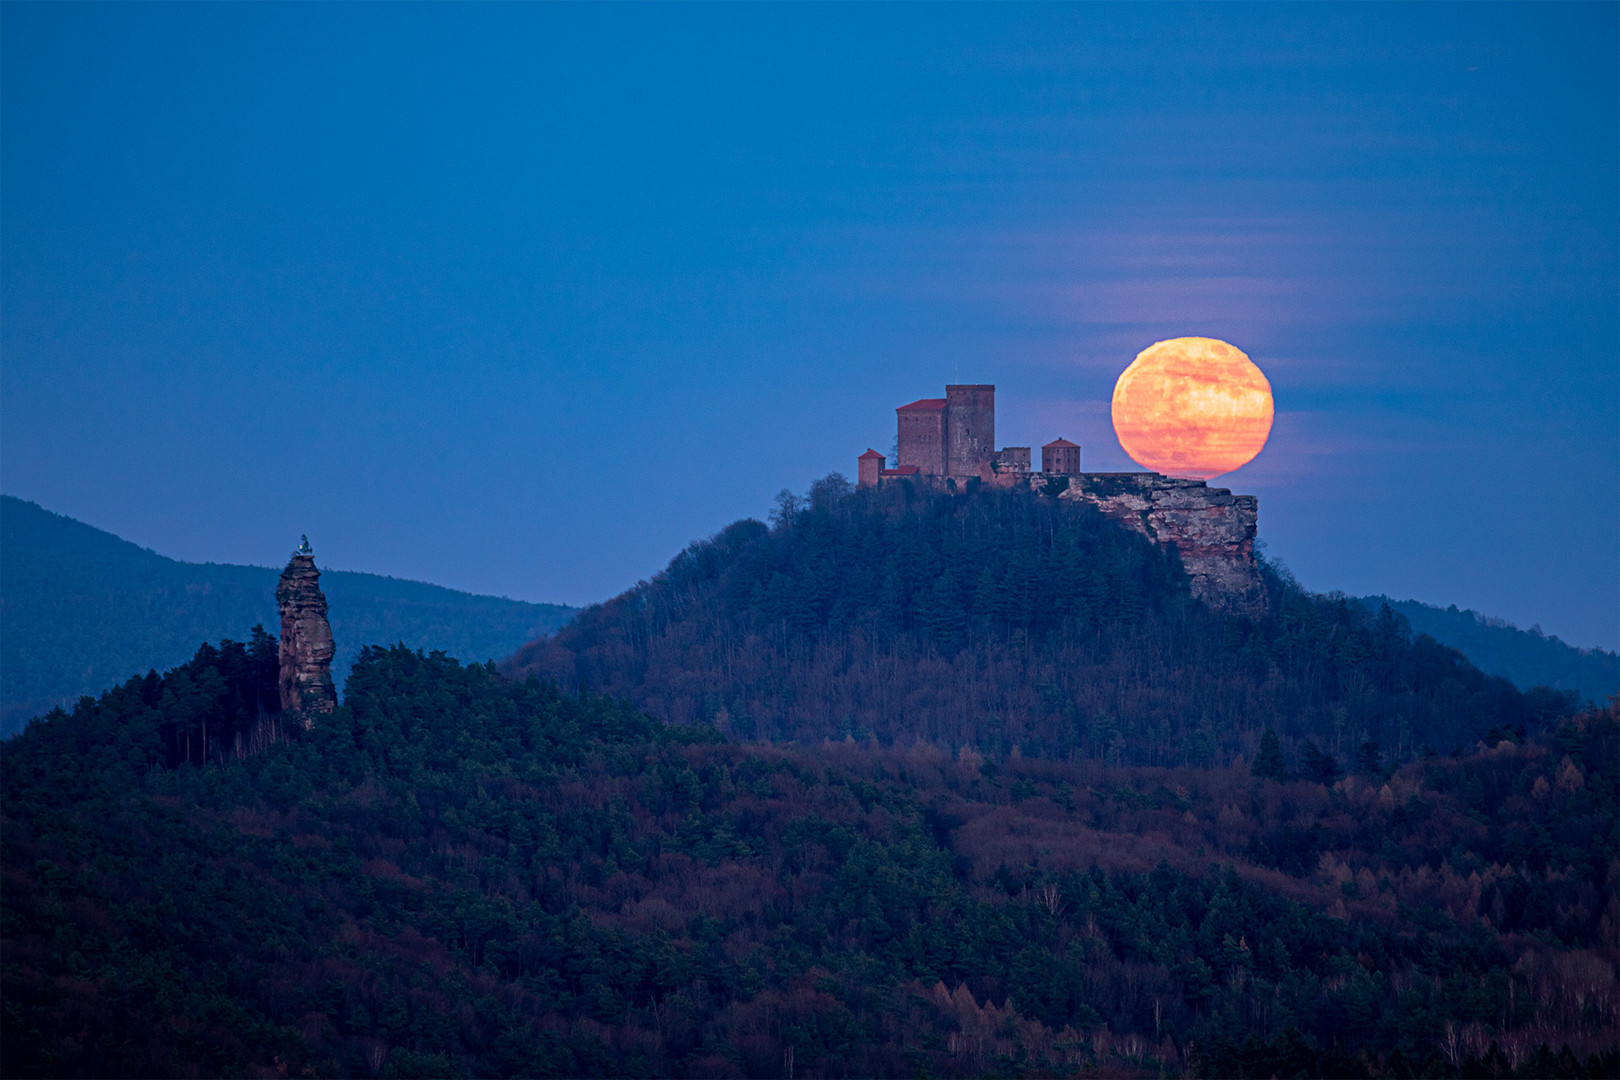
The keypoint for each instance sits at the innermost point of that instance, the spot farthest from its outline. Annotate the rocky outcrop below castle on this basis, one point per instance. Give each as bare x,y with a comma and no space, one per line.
948,444
306,643
1212,529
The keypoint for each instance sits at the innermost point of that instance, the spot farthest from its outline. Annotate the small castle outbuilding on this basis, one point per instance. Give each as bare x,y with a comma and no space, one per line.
1060,457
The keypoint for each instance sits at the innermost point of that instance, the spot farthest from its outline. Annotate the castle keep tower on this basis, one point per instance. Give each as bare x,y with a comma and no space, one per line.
306,640
970,422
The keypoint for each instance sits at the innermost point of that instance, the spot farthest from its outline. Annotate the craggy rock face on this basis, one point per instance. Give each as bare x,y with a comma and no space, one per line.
1213,530
306,642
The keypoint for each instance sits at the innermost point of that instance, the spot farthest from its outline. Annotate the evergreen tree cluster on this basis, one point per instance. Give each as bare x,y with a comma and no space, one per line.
222,703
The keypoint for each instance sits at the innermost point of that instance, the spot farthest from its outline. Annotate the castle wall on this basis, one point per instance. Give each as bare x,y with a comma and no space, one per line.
1010,467
1012,459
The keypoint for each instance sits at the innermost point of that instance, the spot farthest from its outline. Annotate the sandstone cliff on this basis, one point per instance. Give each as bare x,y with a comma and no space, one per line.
1212,529
306,642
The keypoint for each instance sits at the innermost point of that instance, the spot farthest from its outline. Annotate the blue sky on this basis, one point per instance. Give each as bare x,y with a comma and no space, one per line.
522,299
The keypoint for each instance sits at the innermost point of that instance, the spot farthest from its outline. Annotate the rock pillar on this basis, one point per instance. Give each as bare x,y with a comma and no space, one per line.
306,642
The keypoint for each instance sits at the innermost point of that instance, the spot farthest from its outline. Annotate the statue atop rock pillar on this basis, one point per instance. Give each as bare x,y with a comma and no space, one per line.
306,640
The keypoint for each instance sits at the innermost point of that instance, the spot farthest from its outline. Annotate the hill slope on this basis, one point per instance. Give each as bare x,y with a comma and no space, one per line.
82,610
1525,658
1009,622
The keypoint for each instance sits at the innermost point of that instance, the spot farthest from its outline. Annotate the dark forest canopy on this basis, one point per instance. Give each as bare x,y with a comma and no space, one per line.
462,875
1004,619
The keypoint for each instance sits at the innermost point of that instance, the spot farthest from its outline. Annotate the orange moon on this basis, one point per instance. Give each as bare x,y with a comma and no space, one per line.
1193,407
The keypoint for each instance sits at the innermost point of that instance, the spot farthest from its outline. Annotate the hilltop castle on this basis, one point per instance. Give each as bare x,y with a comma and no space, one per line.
954,437
949,443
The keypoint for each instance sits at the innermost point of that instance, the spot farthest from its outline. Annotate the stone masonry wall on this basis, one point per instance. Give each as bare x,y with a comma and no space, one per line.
970,430
921,438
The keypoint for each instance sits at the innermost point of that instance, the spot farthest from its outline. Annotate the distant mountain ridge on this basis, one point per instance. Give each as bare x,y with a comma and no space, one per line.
1525,658
82,610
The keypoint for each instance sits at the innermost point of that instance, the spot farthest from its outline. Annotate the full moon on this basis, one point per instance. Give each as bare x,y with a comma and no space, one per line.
1193,407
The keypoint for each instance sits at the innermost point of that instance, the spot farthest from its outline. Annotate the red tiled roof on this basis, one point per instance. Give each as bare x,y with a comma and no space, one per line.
927,404
903,470
870,453
1061,444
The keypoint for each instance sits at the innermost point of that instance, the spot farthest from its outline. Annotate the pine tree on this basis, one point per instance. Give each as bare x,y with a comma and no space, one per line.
940,615
1268,763
1316,765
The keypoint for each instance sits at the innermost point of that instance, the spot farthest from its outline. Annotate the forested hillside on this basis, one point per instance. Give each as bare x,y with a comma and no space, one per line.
956,787
1525,658
1003,620
83,609
460,875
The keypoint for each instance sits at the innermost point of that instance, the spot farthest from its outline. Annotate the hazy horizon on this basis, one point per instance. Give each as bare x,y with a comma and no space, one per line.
1486,617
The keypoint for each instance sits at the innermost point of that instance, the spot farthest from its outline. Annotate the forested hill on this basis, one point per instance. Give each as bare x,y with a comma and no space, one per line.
457,875
1012,623
82,610
1524,657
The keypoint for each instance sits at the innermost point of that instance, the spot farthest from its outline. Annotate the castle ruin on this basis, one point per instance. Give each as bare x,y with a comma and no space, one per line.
949,443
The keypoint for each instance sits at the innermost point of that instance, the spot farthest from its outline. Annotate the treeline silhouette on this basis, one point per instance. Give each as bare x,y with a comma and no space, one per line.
461,875
1001,620
224,702
1525,658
